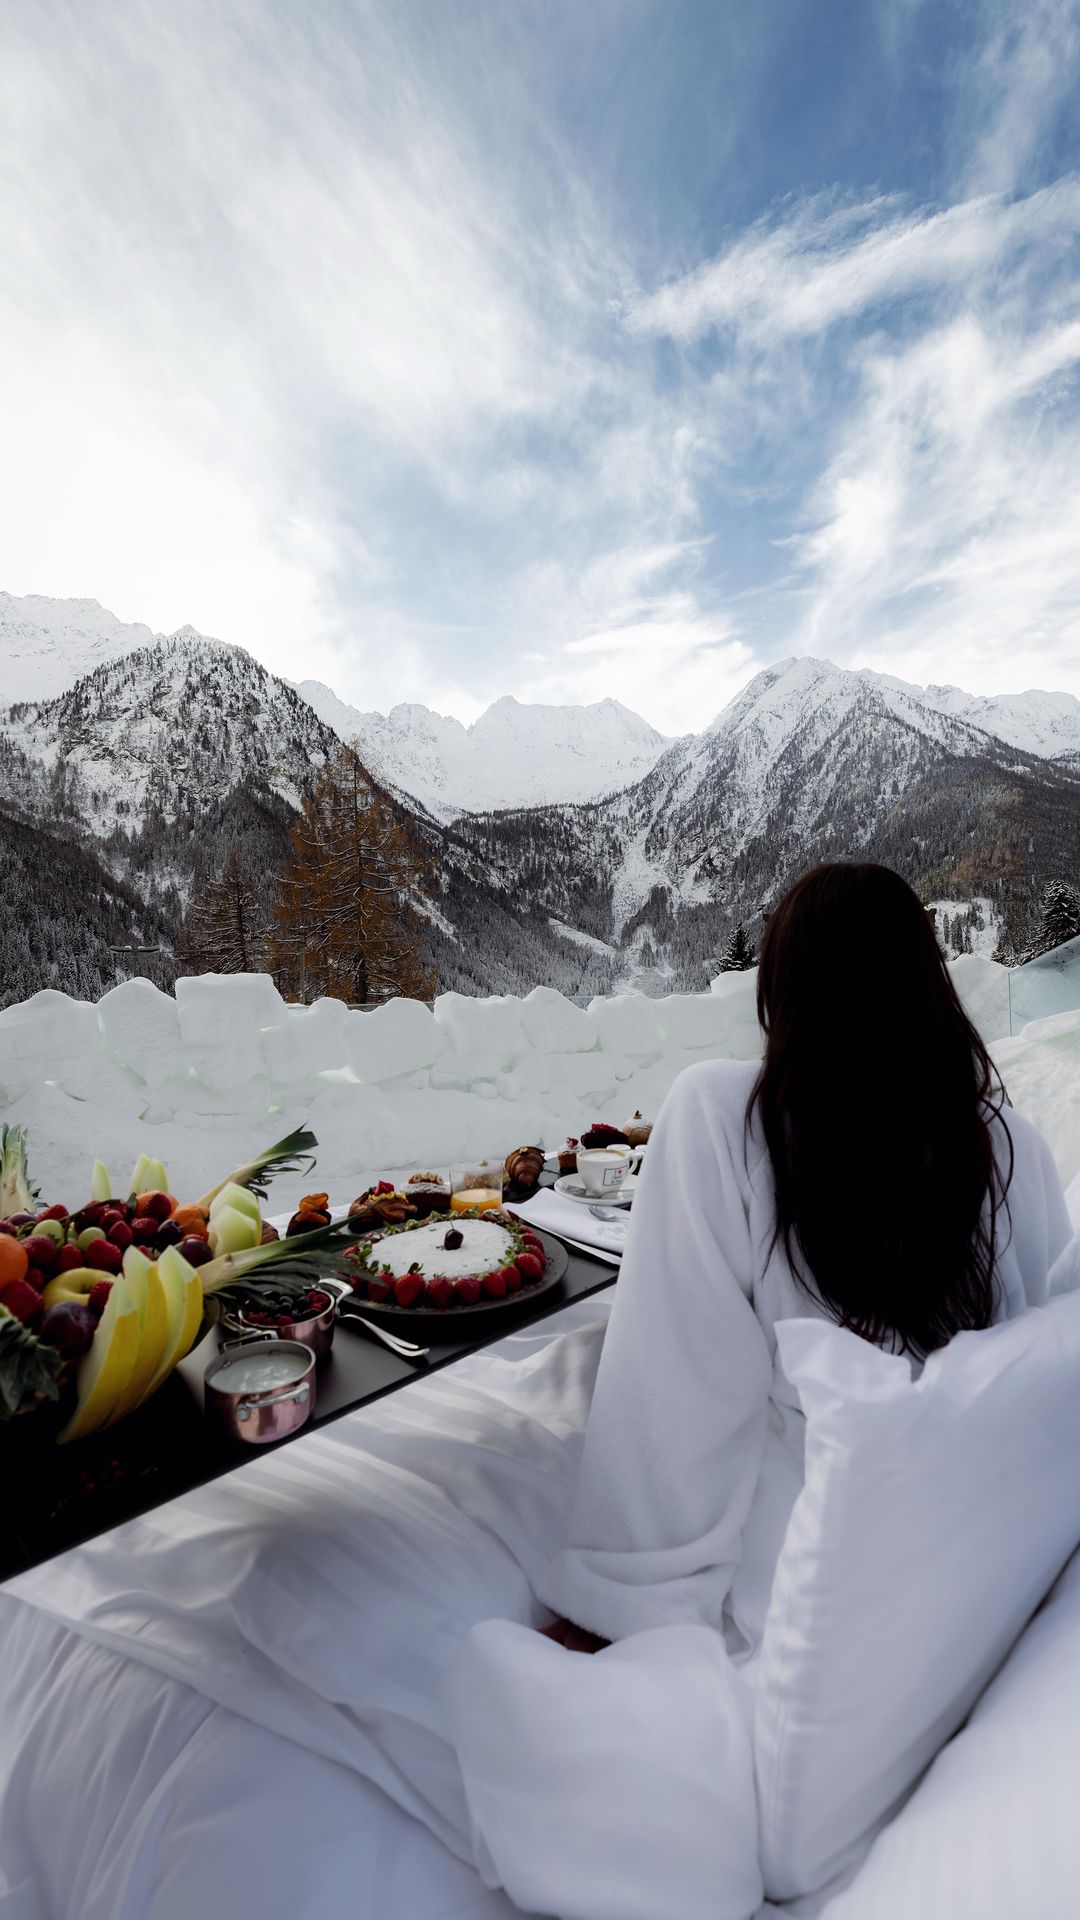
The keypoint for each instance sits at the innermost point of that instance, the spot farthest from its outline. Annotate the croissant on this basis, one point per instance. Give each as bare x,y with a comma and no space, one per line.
524,1165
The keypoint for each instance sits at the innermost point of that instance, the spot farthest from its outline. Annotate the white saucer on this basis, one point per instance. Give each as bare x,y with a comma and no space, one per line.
572,1187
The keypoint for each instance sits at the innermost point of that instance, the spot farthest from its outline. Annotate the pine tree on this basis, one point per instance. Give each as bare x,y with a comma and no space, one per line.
738,955
343,923
224,929
1060,919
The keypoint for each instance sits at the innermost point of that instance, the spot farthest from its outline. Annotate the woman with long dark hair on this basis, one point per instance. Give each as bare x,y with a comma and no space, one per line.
867,1171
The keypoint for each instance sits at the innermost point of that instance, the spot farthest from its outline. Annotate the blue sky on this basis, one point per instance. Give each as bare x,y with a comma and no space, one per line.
441,349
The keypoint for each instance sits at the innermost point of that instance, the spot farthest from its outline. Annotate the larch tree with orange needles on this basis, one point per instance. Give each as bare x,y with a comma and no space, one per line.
343,923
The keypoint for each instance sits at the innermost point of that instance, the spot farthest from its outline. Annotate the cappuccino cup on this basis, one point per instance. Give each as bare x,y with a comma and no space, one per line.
603,1169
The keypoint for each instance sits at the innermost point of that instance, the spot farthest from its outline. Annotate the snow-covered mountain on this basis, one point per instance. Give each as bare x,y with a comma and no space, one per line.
512,756
575,833
167,730
46,645
810,762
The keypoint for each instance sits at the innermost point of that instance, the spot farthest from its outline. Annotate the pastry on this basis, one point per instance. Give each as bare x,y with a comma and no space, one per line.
523,1168
380,1206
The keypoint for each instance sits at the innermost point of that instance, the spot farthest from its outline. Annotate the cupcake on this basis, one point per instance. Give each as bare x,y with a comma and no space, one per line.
428,1193
637,1130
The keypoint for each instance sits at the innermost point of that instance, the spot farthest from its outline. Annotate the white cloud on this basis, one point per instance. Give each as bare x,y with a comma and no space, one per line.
819,264
947,540
1023,76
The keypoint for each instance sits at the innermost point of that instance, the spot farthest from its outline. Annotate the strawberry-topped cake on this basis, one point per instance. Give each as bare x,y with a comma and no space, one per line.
463,1262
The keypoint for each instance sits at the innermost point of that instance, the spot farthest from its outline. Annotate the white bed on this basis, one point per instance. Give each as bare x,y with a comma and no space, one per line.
233,1704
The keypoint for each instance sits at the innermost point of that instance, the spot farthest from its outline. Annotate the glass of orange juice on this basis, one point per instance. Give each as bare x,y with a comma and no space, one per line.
477,1186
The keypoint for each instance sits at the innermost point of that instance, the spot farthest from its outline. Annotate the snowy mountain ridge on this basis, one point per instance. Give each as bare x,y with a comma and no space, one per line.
46,645
514,755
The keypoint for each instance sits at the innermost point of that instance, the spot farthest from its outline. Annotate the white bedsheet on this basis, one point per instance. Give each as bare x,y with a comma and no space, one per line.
126,1795
236,1702
321,1593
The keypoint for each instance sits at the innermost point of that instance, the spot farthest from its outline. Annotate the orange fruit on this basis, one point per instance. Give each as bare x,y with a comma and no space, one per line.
14,1261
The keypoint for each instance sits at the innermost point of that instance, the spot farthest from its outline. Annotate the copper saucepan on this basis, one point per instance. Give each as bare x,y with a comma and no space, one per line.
248,1411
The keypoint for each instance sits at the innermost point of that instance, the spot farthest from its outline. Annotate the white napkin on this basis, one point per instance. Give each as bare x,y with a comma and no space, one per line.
571,1220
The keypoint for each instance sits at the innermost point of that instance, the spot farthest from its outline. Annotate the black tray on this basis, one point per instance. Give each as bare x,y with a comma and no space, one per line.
427,1319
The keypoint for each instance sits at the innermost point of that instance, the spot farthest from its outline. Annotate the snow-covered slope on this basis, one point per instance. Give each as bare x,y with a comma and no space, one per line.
1044,723
512,756
168,729
46,645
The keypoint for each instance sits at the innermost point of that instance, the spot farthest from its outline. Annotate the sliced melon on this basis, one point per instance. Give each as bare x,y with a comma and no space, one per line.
149,1295
148,1176
232,1231
100,1184
105,1370
241,1198
184,1306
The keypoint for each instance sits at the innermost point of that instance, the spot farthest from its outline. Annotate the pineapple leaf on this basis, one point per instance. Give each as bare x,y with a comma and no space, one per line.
291,1155
29,1370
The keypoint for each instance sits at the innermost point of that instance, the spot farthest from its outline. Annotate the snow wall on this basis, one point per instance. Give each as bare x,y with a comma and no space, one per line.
203,1079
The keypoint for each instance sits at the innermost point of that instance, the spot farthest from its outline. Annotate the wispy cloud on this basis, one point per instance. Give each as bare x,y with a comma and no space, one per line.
816,264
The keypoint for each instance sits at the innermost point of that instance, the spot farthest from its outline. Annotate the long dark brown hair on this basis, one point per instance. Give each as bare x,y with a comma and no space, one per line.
875,1098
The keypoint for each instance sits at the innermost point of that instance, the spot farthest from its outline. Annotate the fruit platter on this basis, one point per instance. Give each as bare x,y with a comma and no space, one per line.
100,1303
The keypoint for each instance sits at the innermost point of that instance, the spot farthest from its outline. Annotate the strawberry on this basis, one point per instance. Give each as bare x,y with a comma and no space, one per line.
385,1186
408,1288
143,1230
103,1255
530,1267
36,1277
534,1244
22,1299
494,1283
98,1295
69,1258
440,1291
467,1289
378,1286
55,1212
513,1279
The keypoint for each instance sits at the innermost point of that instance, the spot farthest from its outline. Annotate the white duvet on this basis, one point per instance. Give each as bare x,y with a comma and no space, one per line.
273,1696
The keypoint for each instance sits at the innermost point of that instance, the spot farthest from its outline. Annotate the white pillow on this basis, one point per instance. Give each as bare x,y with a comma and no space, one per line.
992,1829
934,1516
612,1786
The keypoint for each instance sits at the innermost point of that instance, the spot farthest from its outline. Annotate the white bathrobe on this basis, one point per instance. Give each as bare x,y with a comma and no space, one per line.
693,1452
